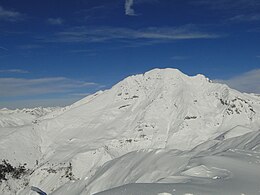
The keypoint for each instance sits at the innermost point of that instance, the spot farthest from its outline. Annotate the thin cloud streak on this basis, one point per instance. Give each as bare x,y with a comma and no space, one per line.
104,34
55,21
92,9
3,48
10,16
29,46
245,18
247,82
228,4
86,51
14,71
13,87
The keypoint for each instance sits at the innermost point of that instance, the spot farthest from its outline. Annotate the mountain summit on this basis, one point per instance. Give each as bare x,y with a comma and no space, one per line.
162,109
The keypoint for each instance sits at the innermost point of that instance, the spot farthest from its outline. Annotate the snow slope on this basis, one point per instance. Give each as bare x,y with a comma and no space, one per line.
232,173
150,128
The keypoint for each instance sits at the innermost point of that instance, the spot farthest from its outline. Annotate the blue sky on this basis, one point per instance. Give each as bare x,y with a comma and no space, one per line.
54,52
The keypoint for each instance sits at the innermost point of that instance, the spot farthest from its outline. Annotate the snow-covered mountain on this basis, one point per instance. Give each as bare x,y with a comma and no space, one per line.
159,127
19,117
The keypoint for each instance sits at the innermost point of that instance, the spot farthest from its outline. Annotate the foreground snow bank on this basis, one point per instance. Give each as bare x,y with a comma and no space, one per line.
211,171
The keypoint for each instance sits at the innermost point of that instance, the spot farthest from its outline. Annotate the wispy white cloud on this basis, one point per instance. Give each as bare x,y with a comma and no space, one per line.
98,12
254,30
85,52
29,46
13,87
55,21
129,4
129,8
247,82
14,71
3,48
9,15
155,34
81,51
245,18
93,9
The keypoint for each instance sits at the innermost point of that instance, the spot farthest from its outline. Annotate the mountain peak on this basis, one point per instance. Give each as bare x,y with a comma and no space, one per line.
166,75
164,71
158,80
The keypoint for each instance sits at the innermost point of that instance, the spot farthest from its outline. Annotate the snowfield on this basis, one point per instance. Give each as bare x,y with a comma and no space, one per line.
160,133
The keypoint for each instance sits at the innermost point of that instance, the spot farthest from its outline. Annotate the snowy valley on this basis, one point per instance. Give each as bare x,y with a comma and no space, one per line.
157,133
